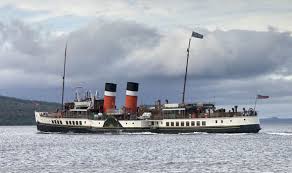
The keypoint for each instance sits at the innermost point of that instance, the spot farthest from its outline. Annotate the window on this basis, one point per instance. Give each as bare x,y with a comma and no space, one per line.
152,123
177,123
61,122
73,122
244,119
216,121
55,122
172,123
230,120
193,123
67,122
221,121
52,122
182,123
167,123
76,122
198,123
133,123
187,123
80,122
203,123
70,122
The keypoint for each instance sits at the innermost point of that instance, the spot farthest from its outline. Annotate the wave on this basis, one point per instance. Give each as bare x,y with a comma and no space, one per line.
232,134
138,133
192,133
280,133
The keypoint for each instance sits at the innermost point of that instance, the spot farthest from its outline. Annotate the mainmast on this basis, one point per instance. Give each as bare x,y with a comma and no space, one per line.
64,74
196,35
186,73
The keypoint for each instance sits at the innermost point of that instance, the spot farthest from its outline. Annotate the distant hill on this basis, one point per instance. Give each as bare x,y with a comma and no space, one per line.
14,111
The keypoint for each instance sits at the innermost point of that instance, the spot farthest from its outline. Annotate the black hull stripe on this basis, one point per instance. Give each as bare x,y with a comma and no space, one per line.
253,128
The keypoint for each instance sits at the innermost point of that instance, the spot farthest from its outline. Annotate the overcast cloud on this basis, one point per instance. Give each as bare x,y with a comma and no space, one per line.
230,65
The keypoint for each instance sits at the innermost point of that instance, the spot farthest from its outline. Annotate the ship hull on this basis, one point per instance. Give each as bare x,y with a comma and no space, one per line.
251,128
241,124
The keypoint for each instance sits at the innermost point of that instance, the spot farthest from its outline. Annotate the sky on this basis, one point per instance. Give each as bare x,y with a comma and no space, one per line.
246,50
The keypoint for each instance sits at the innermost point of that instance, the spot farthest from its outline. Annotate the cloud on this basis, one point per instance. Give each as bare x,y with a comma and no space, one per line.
221,54
98,49
231,65
226,14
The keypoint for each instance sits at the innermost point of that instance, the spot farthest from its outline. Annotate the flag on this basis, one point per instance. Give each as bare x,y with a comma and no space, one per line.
262,97
197,35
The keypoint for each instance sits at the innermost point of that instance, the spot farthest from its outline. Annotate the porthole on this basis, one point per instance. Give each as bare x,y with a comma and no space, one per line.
216,121
133,123
182,123
193,123
198,123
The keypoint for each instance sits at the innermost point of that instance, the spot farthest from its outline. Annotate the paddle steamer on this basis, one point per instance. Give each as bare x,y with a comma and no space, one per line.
91,114
99,115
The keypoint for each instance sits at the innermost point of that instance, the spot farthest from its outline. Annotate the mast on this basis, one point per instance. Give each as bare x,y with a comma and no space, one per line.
196,35
186,73
64,74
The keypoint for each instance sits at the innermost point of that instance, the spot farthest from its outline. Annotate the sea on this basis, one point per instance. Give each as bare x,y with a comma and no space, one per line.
24,149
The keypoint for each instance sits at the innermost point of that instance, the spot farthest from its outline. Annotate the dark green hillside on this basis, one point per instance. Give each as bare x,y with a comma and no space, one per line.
15,111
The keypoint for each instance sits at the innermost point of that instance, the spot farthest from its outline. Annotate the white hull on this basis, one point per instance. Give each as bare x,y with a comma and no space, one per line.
222,124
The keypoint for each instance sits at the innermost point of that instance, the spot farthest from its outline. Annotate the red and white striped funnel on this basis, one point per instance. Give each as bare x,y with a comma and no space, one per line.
131,97
109,97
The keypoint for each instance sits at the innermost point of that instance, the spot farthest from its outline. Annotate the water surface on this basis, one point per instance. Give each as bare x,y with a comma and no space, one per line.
23,149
